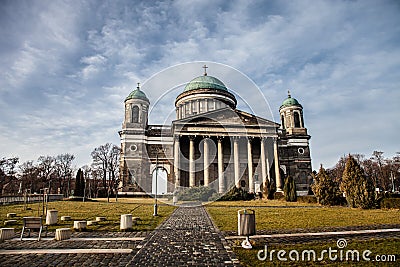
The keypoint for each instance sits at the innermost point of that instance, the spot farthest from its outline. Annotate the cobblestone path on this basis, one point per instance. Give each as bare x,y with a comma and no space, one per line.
187,238
91,241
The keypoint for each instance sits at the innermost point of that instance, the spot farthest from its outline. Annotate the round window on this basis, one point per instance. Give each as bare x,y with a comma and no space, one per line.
133,147
301,150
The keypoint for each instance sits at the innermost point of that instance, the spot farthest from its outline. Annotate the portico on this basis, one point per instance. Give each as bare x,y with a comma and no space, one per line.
223,153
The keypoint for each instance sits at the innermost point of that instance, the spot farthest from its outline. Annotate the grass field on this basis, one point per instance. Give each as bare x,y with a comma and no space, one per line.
141,208
277,216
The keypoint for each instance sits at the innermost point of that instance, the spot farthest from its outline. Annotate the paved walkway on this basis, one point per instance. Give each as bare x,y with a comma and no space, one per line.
187,238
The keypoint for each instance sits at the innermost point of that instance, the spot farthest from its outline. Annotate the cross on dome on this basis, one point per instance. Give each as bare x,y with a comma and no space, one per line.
205,69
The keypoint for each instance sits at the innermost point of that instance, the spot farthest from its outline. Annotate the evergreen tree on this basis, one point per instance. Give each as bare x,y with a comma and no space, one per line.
269,189
325,189
290,189
358,188
79,184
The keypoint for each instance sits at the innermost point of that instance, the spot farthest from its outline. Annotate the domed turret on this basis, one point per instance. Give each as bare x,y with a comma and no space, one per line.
288,102
137,94
291,112
136,109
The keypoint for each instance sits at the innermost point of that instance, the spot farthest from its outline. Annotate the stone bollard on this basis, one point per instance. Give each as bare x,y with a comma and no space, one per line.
126,221
91,223
11,215
80,225
6,233
65,218
100,219
135,220
10,222
51,217
62,234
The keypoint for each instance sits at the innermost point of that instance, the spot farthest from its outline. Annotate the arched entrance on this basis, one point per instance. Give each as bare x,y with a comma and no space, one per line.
161,175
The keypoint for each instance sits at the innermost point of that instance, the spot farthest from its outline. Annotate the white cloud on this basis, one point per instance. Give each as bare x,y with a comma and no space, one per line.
67,67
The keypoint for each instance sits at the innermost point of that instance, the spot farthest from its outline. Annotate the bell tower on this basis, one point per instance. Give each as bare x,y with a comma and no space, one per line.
292,120
133,141
294,156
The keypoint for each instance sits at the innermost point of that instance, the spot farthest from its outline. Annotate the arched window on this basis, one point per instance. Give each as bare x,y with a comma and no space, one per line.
296,120
135,114
283,121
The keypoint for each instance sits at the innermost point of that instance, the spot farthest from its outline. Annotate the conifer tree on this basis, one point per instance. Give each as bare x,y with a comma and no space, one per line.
290,189
79,184
325,189
358,188
269,189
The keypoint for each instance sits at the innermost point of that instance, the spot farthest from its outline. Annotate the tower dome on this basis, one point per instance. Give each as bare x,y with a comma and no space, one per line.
137,94
289,102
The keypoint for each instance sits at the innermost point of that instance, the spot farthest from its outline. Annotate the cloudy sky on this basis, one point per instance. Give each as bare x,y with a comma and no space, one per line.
67,66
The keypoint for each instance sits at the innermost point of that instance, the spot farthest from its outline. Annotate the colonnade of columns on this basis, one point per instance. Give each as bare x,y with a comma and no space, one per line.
265,166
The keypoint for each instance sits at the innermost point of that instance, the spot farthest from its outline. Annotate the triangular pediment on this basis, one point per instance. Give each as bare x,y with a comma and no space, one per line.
227,116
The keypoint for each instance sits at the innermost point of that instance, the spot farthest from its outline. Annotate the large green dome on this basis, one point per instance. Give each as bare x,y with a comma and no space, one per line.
205,82
137,94
288,102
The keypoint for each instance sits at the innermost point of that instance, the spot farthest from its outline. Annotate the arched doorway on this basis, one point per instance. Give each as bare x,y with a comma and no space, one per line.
162,181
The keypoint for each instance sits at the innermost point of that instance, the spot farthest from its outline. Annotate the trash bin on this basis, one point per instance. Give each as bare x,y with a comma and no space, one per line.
246,222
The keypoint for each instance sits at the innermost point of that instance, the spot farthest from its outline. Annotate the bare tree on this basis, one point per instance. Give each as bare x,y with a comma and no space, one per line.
100,159
113,168
46,168
29,176
8,175
63,166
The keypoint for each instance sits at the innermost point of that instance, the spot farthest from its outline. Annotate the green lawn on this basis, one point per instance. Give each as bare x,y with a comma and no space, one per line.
381,248
278,217
141,208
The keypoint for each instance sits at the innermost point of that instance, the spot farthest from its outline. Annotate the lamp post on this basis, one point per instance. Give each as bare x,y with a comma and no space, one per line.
155,196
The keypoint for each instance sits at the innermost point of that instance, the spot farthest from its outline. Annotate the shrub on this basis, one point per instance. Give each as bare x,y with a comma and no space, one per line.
200,193
269,189
290,189
390,203
307,199
235,194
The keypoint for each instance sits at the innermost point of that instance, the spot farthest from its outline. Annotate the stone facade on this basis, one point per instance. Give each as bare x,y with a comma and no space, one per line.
211,143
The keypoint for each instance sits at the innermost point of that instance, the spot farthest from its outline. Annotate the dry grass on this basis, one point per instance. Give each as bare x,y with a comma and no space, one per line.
278,217
141,208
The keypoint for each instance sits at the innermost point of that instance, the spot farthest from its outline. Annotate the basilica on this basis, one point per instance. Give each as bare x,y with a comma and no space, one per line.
212,143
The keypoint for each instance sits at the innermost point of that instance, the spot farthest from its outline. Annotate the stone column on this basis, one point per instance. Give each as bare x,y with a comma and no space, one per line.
268,165
221,182
250,164
277,173
192,171
263,163
176,163
236,160
206,162
198,106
